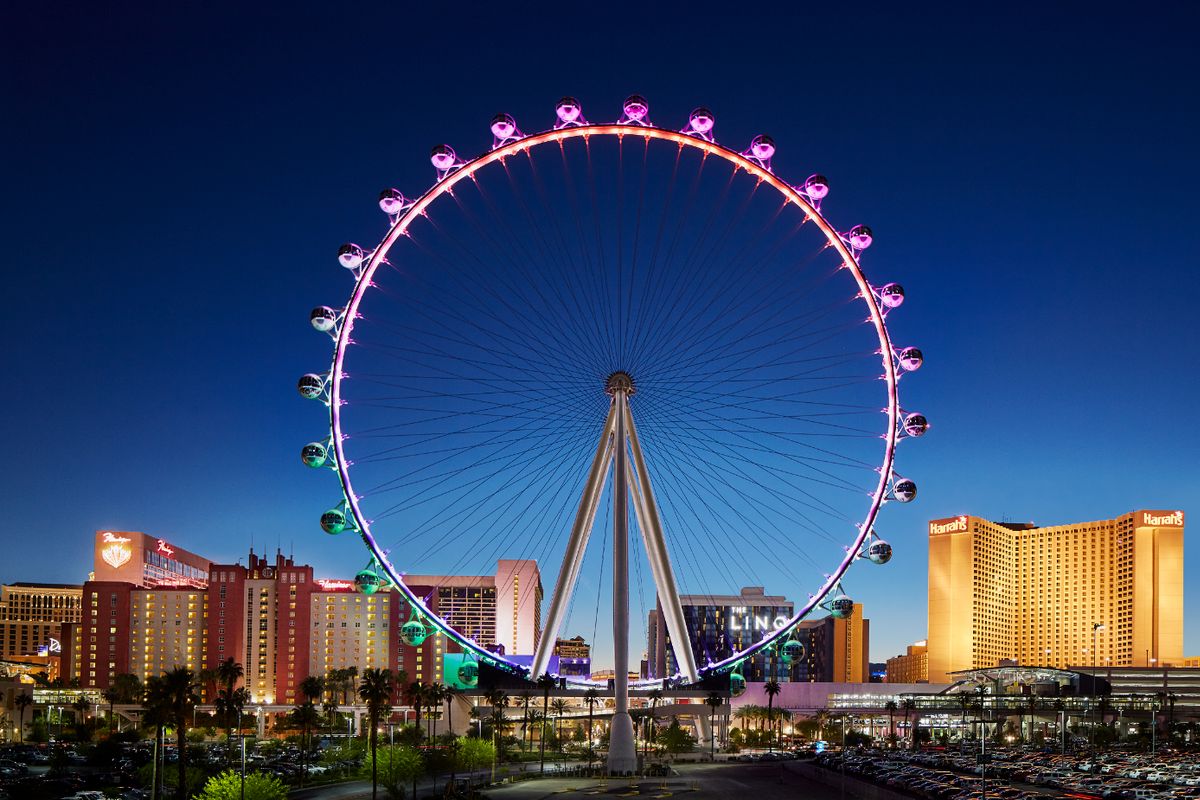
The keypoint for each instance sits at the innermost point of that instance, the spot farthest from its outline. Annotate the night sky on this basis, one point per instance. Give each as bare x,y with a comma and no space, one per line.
177,181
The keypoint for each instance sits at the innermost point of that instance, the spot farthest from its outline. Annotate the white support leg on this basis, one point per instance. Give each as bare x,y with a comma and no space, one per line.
660,559
585,517
622,752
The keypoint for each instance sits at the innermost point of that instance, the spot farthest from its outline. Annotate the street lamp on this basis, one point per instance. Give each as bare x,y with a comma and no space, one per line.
1096,628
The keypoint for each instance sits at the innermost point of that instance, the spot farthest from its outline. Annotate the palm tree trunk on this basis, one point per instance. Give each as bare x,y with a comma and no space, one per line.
770,730
181,744
374,742
542,738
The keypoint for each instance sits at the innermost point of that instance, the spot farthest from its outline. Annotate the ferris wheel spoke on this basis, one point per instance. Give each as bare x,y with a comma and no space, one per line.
514,311
508,352
582,303
679,314
573,314
742,437
450,519
690,491
699,364
656,288
556,474
700,460
534,433
732,462
682,278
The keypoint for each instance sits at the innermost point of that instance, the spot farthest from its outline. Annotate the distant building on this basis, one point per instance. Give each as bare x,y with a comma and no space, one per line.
32,614
719,625
912,667
574,657
1108,592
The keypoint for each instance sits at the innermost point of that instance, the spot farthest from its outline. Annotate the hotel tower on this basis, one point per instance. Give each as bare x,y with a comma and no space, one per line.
1104,593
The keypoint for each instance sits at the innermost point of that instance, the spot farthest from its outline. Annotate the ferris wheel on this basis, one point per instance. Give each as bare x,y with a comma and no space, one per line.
596,317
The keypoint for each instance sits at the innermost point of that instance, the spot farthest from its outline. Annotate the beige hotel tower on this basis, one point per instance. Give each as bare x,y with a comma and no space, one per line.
1108,592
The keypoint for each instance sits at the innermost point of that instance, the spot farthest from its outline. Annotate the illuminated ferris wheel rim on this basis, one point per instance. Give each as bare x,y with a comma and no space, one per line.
452,171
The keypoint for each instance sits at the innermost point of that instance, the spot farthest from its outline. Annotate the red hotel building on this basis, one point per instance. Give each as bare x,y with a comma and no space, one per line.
278,621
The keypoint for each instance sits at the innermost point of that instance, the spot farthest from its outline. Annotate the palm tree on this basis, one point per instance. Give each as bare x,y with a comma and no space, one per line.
546,682
525,697
448,694
229,672
376,691
80,706
497,699
435,693
1031,706
908,704
964,702
772,688
713,701
111,696
822,718
655,696
560,709
892,706
173,696
414,695
591,697
311,687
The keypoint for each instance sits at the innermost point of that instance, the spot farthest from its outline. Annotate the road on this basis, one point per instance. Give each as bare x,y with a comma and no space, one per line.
361,790
694,781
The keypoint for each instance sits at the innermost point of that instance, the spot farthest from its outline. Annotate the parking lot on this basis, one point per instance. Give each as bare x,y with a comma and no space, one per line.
1011,774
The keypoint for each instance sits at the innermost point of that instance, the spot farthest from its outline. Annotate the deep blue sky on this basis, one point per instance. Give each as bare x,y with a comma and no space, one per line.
175,183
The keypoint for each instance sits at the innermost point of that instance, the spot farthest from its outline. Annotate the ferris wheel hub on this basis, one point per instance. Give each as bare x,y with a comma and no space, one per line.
620,381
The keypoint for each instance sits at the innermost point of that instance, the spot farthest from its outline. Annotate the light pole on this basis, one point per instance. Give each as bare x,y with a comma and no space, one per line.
1096,628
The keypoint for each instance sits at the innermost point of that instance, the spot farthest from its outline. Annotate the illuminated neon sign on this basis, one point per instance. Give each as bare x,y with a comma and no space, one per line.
116,552
754,622
956,525
1173,519
334,586
165,548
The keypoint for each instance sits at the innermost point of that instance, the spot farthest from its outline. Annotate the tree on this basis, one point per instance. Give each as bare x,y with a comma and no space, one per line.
306,715
713,701
675,739
498,700
892,706
655,696
772,688
172,698
447,694
560,709
376,691
525,697
414,695
230,701
473,753
546,683
591,697
908,704
822,720
228,786
1032,704
23,702
398,766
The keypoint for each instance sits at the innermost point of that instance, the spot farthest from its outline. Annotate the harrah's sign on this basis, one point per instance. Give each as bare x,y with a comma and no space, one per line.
955,525
1161,519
